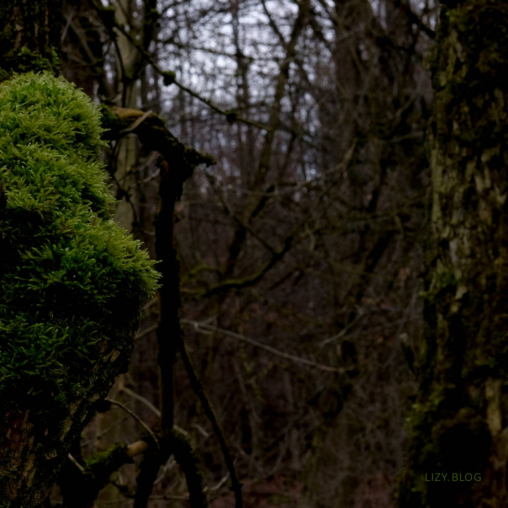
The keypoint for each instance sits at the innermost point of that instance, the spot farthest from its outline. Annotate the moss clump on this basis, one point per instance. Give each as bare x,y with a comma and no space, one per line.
71,280
100,466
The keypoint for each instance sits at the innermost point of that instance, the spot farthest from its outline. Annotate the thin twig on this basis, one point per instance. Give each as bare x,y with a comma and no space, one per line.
150,329
136,417
149,405
142,399
255,343
76,463
135,124
235,117
104,432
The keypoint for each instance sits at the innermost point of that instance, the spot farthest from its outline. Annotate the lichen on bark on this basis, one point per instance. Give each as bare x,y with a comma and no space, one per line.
459,424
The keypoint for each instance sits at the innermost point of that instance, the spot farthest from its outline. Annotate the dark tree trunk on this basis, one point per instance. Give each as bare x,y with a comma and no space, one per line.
29,36
29,40
459,425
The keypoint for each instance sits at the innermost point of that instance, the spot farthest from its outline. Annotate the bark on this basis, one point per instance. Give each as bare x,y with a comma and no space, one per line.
29,35
33,441
33,447
459,424
176,163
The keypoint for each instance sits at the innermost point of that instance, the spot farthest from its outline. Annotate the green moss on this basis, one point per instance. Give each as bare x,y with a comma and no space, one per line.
80,490
109,121
25,60
101,465
71,279
465,345
443,442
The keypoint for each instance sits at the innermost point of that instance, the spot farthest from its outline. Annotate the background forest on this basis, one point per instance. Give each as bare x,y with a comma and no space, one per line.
300,250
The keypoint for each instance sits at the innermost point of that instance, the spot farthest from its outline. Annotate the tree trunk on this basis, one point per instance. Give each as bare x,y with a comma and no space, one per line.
459,424
28,41
29,36
36,431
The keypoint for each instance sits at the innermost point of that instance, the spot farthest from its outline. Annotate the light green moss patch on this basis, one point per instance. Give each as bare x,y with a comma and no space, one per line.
70,278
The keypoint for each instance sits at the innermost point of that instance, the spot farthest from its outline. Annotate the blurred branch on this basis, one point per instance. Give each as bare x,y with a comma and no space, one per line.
136,396
199,390
136,417
168,76
76,463
197,325
230,284
149,405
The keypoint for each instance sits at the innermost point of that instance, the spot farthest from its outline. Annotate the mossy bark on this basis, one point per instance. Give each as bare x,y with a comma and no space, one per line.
29,36
36,432
459,425
34,447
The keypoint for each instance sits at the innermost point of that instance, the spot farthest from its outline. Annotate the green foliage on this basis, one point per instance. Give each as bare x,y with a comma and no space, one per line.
101,465
70,278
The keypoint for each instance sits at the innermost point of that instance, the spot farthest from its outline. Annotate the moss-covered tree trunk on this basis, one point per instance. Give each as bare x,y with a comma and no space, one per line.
30,33
29,39
71,282
459,425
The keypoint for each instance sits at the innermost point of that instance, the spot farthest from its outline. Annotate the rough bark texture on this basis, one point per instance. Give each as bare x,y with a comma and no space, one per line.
29,35
459,425
28,39
32,448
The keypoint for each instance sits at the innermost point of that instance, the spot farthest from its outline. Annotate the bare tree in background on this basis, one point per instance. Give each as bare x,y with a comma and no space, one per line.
300,251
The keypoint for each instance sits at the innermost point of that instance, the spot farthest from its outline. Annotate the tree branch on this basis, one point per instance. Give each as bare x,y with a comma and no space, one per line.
199,390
